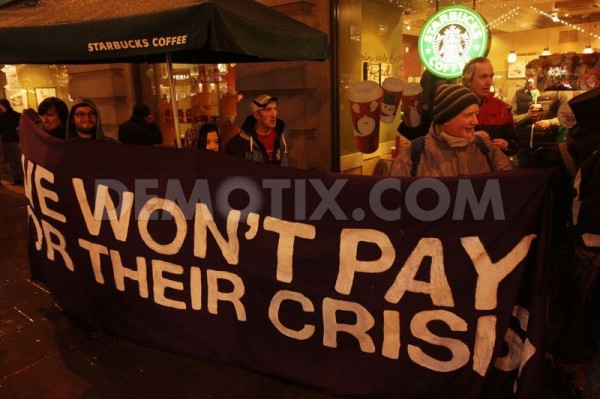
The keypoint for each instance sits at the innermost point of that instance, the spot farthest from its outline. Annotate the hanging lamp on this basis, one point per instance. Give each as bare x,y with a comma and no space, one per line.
588,47
512,56
546,51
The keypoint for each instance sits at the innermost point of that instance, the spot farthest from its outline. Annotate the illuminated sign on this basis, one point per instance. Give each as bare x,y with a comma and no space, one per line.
450,38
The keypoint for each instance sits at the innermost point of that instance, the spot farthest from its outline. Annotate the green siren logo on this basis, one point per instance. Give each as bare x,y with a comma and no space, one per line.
450,38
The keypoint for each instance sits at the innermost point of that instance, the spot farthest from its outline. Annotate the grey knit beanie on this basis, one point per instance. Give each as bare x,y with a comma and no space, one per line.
451,100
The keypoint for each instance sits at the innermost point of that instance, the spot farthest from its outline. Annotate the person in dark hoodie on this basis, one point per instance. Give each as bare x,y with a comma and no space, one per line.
53,114
9,130
84,121
262,137
140,128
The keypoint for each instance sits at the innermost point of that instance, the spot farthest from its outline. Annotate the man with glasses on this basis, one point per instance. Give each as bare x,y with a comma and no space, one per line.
84,121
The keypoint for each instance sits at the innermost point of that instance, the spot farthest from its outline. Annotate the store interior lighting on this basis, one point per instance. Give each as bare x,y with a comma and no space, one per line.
546,51
588,47
512,56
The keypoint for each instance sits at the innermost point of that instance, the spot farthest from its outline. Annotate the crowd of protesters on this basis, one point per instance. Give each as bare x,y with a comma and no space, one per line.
469,131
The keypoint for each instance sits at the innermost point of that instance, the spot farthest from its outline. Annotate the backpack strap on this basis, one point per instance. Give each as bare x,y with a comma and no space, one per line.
479,142
482,147
416,149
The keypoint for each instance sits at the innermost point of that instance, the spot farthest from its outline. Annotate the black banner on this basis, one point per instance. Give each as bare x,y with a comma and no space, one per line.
352,284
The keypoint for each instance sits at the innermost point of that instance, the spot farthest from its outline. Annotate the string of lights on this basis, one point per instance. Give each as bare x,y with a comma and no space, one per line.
555,18
506,17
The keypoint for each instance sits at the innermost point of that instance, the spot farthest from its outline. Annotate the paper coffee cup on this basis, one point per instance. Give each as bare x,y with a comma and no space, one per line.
537,109
365,107
411,104
392,94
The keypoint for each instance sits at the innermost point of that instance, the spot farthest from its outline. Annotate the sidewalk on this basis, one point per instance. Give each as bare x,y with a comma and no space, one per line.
46,354
7,185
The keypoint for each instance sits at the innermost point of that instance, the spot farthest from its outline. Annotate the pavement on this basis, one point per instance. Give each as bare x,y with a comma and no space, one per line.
46,354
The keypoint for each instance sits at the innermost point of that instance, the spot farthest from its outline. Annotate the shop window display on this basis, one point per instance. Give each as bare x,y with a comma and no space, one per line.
204,92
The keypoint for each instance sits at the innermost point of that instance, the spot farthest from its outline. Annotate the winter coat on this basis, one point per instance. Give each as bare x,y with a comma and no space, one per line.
439,159
246,144
137,131
9,123
496,120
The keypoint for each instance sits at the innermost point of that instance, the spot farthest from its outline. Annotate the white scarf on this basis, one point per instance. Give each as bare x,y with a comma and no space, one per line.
457,141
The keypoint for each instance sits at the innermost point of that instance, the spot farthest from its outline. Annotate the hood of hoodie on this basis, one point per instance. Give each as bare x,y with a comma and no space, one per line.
71,131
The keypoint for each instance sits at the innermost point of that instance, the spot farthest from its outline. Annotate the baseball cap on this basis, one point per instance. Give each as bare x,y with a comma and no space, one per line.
261,102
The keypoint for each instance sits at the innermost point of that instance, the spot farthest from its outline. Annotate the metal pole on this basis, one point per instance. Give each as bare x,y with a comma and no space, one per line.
173,100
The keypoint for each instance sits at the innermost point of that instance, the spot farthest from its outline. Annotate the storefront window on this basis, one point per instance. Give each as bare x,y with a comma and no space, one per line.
27,85
204,92
371,48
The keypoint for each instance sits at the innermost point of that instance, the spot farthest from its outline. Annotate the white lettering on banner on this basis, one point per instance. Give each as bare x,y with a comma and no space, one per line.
489,275
349,263
39,239
162,283
104,203
45,194
484,343
438,288
170,284
288,231
331,326
116,45
419,328
95,250
204,220
161,204
139,275
307,306
59,246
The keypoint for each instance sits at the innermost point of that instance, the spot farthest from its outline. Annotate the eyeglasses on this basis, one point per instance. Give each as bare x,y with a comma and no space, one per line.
81,115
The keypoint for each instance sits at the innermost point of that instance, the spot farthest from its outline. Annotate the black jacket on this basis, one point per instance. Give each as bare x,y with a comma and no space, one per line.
9,124
137,131
246,144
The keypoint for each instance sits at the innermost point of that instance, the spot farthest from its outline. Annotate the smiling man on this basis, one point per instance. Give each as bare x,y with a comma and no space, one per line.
262,137
84,121
451,147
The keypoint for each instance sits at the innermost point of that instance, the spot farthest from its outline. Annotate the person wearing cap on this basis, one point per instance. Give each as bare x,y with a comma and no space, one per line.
262,137
451,147
495,119
140,128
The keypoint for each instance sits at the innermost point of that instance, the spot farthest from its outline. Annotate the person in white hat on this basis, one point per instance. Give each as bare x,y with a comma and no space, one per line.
262,137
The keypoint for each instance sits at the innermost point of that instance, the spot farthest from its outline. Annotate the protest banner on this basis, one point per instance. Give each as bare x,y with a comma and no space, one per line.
358,285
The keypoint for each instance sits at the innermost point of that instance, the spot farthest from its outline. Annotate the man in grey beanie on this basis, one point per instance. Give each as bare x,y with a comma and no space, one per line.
451,147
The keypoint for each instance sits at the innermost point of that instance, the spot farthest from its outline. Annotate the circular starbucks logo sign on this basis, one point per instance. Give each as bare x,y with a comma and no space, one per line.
450,38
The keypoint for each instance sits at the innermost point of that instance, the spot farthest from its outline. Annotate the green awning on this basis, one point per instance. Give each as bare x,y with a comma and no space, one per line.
193,31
